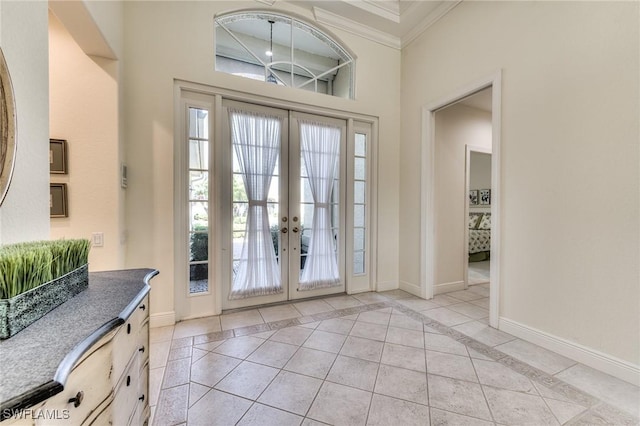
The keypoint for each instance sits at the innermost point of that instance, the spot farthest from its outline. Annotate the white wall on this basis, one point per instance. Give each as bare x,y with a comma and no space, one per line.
456,127
24,215
569,159
167,40
84,111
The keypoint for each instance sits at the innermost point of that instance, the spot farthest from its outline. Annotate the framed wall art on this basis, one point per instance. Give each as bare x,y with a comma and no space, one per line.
473,197
58,156
58,200
485,197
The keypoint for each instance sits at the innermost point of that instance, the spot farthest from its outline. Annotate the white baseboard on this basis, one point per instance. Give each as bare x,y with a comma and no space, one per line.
412,288
600,361
162,319
447,287
386,285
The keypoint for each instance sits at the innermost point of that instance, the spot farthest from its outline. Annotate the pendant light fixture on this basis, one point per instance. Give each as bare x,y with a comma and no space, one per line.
269,53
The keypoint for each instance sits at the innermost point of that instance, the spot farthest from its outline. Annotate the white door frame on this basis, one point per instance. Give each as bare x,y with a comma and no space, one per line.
427,238
468,149
355,120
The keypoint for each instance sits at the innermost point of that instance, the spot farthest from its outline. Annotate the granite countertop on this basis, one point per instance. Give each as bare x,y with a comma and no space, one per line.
31,362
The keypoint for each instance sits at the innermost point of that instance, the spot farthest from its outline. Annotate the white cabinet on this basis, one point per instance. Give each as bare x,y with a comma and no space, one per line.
108,385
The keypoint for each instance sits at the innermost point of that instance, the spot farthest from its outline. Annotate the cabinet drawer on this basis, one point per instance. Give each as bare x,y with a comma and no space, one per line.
127,394
87,388
103,418
128,339
142,407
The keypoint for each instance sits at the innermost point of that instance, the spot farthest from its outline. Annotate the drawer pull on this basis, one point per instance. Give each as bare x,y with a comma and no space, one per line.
141,398
128,328
77,400
128,380
142,307
141,349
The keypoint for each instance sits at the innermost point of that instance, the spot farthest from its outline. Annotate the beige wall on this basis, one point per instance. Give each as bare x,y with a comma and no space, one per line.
167,40
24,215
569,159
456,127
84,111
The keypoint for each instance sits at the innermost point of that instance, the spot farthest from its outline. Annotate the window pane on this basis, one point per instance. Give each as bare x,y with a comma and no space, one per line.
198,123
240,216
358,215
359,192
198,278
239,193
306,195
198,154
238,238
361,142
360,171
198,185
358,239
199,246
198,216
358,262
306,219
261,45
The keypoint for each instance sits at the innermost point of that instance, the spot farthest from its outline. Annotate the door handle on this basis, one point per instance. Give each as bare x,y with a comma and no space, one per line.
294,229
284,230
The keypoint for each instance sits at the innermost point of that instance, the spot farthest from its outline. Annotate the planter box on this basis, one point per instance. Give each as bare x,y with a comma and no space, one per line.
26,308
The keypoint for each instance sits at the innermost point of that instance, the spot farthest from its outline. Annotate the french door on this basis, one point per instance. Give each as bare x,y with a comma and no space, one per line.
283,225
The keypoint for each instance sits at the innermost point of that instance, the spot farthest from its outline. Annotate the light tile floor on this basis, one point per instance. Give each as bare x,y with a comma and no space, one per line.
376,359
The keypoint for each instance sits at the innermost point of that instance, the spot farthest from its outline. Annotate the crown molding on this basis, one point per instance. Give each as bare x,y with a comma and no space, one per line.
333,20
444,8
384,9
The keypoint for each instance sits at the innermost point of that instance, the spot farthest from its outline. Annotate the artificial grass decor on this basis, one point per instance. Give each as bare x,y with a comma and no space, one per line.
25,266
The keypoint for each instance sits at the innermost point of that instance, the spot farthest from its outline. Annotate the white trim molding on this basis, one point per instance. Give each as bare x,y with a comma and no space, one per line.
336,21
386,286
162,319
608,364
410,288
448,287
384,9
427,237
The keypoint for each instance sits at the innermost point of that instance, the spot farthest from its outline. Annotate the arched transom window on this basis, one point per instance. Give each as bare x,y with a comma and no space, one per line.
283,50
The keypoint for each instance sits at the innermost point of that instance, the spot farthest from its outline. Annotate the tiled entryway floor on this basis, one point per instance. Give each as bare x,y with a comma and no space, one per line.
374,358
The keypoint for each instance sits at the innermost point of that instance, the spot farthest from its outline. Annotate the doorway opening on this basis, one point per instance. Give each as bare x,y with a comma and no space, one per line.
477,223
454,127
285,226
273,201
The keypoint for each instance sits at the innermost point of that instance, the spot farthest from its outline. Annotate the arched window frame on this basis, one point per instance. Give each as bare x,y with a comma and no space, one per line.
347,58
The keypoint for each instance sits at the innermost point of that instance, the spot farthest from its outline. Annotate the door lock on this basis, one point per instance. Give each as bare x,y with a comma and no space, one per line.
284,219
295,229
284,230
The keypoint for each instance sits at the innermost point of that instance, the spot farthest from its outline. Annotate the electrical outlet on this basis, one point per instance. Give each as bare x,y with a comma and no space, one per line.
97,239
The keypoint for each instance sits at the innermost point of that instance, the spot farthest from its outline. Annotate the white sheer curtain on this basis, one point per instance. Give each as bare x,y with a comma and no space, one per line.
256,141
320,149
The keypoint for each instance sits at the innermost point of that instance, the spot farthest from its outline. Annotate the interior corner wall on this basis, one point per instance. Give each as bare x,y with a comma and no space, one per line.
175,40
24,214
569,176
455,127
84,111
